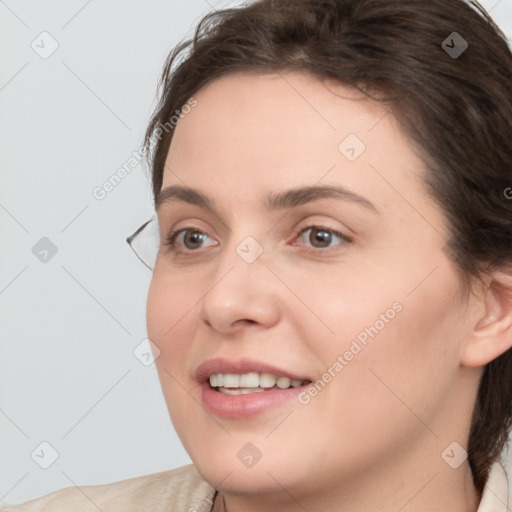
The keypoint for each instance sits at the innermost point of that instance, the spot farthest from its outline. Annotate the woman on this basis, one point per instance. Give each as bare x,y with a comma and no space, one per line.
331,304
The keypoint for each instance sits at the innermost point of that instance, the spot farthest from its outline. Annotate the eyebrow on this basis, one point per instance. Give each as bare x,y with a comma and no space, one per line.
275,201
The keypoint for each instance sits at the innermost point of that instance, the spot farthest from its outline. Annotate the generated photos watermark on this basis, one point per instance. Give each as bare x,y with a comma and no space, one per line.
356,346
100,192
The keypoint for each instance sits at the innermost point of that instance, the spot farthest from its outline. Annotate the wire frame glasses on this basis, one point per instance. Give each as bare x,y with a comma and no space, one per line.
145,242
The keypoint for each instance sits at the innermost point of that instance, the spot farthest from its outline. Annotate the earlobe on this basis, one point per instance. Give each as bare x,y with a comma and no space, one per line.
491,335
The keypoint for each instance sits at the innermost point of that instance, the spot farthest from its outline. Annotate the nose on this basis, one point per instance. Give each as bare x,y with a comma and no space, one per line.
241,294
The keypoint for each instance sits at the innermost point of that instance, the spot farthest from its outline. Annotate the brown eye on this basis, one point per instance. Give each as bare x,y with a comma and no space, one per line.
322,238
190,239
193,239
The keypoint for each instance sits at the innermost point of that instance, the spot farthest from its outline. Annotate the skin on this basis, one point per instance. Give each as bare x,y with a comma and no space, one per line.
372,439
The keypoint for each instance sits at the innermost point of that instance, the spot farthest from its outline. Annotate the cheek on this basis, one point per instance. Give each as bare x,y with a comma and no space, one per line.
170,307
406,370
340,305
393,344
168,304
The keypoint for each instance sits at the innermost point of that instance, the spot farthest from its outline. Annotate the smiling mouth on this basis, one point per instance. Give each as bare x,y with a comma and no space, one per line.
253,382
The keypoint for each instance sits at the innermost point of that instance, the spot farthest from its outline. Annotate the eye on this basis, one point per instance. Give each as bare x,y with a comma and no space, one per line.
190,238
321,237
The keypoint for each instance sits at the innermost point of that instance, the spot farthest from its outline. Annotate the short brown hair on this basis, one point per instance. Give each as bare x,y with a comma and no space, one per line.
457,109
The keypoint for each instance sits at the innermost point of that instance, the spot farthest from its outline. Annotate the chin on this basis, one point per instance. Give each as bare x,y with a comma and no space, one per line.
232,477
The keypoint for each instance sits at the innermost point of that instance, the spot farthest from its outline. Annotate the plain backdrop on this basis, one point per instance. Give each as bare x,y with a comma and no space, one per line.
77,86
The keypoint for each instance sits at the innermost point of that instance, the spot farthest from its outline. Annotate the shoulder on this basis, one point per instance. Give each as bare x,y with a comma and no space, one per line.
181,490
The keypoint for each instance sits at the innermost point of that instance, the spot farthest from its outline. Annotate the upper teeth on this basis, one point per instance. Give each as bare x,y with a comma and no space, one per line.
252,380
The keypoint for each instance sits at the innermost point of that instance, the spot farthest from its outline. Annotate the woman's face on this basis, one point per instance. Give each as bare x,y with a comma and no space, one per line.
317,257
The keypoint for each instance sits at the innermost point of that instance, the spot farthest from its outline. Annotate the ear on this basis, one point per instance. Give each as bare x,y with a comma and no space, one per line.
491,333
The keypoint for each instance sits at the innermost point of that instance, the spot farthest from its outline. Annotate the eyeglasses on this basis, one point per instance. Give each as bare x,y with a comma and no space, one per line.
145,242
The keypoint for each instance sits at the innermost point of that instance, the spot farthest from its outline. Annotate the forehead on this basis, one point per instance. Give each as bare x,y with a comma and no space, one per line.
278,110
265,132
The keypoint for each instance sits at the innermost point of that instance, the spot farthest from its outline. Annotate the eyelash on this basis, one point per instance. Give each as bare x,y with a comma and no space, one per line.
170,241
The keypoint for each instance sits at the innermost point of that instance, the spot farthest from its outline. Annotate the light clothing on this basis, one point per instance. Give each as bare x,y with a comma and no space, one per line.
183,490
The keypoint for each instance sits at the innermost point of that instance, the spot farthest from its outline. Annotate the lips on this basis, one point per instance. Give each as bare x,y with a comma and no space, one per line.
239,402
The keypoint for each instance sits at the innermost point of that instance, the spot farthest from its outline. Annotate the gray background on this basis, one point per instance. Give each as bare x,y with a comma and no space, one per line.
69,325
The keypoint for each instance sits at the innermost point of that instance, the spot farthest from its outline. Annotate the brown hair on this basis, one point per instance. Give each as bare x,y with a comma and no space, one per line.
456,109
